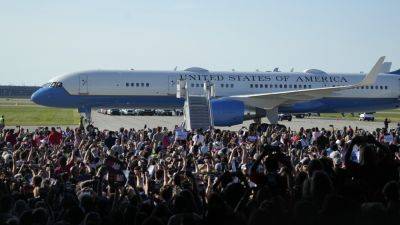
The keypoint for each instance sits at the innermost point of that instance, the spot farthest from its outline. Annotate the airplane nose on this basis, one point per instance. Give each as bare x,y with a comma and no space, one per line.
35,97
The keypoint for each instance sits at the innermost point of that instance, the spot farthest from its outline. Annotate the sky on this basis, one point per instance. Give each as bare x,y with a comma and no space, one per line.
43,39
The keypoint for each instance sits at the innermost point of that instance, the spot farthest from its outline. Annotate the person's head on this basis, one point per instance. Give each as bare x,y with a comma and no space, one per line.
92,218
19,207
63,161
40,216
6,203
313,166
26,218
391,191
367,155
321,185
74,215
152,220
183,202
37,181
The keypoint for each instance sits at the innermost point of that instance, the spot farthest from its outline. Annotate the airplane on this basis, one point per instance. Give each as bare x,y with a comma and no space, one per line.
238,94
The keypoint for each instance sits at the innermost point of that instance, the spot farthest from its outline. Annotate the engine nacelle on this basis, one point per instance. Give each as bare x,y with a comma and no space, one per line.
229,112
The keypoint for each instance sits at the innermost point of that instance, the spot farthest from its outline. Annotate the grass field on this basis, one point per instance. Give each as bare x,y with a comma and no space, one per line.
24,112
393,115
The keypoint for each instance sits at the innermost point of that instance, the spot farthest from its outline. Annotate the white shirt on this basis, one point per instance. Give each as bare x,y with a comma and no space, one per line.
198,139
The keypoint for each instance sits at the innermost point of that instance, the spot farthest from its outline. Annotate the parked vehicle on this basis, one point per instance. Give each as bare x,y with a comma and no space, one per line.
102,111
284,116
367,117
148,112
299,115
128,112
114,112
178,112
159,112
163,112
145,112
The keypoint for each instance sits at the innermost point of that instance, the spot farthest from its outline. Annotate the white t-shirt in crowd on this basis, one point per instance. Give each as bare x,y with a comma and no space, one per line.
198,139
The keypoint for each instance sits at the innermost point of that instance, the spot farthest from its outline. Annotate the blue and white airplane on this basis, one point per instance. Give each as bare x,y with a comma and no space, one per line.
237,93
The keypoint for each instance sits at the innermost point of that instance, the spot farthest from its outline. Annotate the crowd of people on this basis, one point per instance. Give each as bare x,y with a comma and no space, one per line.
263,174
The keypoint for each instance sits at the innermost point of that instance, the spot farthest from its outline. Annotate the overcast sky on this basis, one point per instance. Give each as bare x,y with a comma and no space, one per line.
43,39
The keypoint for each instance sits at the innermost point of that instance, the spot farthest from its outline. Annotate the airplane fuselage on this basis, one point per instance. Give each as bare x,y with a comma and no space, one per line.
157,89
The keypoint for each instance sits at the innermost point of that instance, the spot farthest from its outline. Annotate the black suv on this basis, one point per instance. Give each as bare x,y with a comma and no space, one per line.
284,116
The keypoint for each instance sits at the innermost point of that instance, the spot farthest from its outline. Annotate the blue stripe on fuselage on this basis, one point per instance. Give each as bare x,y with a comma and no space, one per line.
59,97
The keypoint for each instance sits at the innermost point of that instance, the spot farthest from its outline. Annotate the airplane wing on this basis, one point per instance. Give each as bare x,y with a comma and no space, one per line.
272,100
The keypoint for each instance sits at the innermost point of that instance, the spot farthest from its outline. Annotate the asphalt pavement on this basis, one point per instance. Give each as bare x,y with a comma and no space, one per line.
115,122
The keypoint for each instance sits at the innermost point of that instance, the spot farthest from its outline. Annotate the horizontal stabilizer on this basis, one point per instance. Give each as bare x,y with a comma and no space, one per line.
395,72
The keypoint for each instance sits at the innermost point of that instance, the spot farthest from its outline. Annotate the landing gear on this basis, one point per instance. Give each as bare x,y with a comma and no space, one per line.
257,120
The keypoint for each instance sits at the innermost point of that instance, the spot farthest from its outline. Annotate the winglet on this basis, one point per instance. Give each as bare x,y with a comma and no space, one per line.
370,78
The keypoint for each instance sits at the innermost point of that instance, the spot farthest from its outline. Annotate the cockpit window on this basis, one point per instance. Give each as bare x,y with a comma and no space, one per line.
56,84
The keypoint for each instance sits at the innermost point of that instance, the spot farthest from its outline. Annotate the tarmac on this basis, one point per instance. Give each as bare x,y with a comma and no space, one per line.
138,122
108,122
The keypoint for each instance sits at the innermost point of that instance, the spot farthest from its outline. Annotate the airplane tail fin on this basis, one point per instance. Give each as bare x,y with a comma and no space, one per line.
370,78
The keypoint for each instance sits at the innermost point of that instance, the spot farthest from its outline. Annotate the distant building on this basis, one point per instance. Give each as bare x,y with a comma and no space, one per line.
8,91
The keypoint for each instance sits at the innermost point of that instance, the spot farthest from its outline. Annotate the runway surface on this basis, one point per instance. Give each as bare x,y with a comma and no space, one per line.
138,122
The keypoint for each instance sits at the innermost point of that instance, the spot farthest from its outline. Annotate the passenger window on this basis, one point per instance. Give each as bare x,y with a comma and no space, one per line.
137,84
376,87
127,84
197,85
381,87
280,86
147,84
192,85
251,85
372,87
366,87
222,85
261,85
295,86
231,85
142,84
276,86
362,87
256,85
386,87
309,86
304,86
132,84
290,86
285,86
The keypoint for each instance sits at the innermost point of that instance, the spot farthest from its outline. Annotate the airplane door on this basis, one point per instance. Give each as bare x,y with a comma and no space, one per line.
83,84
172,85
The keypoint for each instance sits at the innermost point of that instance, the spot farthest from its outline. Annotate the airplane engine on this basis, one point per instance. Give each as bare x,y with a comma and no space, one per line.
229,112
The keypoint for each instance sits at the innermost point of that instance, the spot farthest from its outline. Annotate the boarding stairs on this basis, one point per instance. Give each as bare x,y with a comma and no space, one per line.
197,110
